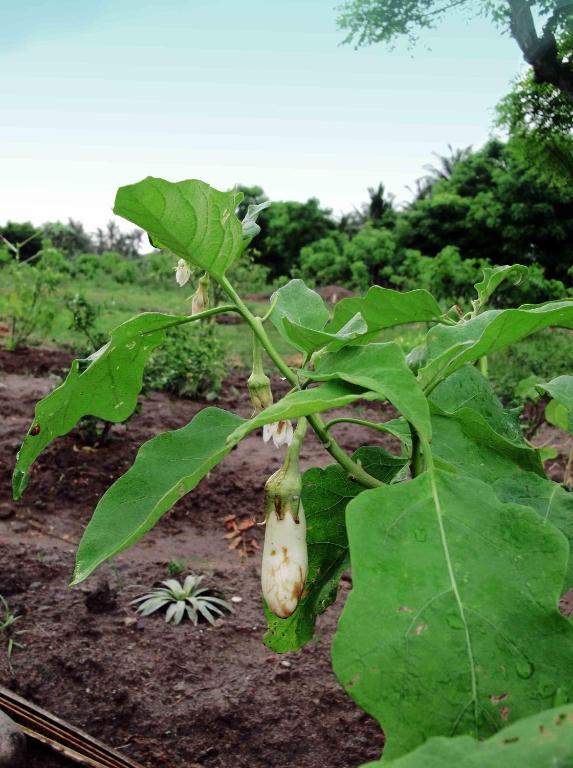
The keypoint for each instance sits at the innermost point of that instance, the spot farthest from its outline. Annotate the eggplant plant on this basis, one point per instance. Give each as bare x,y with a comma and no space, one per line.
451,637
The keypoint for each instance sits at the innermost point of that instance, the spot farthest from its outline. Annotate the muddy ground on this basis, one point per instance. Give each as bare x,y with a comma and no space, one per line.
180,697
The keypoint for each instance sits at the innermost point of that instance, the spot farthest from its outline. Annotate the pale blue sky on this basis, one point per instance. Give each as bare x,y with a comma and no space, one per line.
98,94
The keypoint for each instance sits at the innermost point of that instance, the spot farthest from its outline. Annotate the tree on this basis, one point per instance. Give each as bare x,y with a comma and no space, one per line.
495,206
113,239
70,238
383,21
539,117
286,227
446,164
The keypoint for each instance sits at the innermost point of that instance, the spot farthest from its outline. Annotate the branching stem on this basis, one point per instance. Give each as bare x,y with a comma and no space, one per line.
355,470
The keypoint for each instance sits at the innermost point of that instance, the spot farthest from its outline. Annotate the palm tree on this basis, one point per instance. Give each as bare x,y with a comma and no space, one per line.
444,170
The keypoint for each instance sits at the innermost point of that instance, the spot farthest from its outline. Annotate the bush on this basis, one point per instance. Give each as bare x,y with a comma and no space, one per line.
28,307
547,355
189,363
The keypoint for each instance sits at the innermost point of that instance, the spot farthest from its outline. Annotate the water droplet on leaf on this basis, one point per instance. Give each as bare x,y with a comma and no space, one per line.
455,621
524,668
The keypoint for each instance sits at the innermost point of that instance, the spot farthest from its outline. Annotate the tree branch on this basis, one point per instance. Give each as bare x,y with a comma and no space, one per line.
541,52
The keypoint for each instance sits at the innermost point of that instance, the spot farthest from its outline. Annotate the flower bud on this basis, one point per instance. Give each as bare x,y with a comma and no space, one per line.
200,300
259,386
182,272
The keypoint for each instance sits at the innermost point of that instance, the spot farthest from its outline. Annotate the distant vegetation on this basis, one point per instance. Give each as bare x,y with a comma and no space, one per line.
472,209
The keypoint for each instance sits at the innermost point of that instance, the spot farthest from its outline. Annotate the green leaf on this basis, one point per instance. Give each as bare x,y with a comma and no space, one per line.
165,469
468,388
190,218
325,494
380,368
550,500
249,223
494,276
454,605
559,412
384,308
309,340
544,740
303,402
473,435
450,347
379,463
104,385
299,305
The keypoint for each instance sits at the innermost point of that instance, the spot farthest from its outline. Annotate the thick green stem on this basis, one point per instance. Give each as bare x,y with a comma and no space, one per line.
354,469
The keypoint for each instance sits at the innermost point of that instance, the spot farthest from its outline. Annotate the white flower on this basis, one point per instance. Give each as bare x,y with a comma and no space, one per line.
280,431
285,562
182,272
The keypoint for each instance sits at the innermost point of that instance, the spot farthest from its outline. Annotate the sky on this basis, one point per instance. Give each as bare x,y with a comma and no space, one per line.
97,94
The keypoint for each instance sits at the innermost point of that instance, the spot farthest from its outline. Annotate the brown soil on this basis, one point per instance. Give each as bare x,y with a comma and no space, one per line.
180,697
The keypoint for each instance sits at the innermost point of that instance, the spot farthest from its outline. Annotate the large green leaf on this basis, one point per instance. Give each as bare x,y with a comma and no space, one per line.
384,308
544,740
379,368
190,218
325,494
468,388
165,469
453,609
560,410
474,436
304,402
450,347
104,385
302,308
550,500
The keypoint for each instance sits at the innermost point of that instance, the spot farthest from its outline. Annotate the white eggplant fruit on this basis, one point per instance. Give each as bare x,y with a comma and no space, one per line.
285,561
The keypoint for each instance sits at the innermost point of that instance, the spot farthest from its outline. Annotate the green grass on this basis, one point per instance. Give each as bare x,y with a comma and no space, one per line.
118,302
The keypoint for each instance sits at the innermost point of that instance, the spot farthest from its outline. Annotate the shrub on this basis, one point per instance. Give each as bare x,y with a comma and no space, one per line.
28,307
546,355
188,363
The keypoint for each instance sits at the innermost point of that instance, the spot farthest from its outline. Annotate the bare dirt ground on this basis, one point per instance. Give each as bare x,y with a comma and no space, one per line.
180,697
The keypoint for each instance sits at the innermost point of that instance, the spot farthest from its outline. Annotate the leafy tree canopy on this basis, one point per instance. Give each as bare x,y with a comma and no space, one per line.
384,21
286,227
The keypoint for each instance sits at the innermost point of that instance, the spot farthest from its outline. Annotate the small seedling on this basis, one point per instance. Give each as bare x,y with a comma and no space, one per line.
176,567
7,620
180,600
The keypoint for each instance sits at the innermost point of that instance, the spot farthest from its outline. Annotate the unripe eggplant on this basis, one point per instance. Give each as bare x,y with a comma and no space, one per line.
285,561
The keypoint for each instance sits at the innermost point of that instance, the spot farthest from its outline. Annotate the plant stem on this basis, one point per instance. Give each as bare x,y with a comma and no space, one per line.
354,469
199,316
362,422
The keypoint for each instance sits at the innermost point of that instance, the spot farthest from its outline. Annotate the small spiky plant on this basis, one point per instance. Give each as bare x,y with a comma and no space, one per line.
180,600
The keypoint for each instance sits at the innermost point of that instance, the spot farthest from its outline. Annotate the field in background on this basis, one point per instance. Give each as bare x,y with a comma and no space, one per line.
545,355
